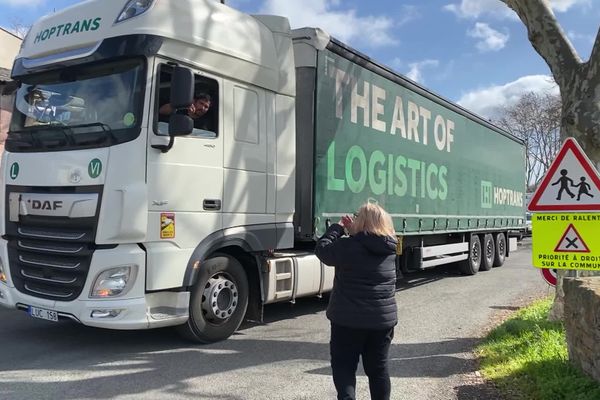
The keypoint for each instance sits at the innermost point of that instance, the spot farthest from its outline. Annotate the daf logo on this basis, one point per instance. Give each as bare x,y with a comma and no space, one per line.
71,205
45,204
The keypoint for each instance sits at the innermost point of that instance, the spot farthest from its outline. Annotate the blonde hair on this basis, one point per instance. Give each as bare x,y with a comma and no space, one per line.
372,218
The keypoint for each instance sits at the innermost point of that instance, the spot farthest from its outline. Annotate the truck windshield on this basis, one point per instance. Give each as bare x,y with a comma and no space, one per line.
84,106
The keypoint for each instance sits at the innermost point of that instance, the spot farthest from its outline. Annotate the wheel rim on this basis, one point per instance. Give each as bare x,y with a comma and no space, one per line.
220,299
501,246
476,253
489,250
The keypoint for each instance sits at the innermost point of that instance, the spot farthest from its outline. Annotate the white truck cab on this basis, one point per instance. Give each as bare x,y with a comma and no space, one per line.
112,221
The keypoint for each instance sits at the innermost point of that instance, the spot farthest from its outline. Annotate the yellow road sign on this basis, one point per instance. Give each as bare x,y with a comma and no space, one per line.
566,241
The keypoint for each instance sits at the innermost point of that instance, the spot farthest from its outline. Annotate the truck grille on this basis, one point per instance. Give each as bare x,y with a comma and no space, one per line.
50,256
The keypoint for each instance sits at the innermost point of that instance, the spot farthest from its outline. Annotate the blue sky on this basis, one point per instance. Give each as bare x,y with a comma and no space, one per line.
474,52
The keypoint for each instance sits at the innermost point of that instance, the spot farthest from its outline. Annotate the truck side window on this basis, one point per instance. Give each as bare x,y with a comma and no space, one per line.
204,110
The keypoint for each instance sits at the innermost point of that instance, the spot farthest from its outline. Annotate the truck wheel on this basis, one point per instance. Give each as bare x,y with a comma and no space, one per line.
489,253
218,300
471,265
500,255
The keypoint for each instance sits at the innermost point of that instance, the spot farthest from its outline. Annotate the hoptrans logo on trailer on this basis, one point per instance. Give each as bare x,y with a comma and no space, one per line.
493,195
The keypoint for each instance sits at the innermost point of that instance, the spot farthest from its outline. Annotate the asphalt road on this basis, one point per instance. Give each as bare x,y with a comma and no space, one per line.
442,316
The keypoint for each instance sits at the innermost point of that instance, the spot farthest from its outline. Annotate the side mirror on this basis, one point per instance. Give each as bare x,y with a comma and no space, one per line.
182,96
182,88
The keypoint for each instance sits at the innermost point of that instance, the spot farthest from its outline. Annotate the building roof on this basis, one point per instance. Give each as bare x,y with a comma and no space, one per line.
4,74
10,33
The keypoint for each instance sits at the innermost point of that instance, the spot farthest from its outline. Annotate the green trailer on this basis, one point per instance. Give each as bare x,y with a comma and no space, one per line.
453,182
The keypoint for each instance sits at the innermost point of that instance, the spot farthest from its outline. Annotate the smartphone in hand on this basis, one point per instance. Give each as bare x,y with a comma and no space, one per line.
346,222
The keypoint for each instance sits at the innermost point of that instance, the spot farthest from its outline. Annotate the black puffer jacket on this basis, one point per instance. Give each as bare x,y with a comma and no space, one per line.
365,278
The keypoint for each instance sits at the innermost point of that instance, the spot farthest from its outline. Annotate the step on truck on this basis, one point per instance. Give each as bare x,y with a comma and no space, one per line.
118,215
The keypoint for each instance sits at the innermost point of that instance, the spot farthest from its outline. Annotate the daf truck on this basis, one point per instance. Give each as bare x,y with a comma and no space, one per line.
117,216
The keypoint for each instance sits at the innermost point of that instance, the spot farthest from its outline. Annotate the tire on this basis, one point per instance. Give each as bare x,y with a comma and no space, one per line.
488,252
223,279
500,255
471,265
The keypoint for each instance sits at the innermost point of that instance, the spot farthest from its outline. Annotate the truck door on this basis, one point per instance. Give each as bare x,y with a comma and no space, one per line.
246,160
185,184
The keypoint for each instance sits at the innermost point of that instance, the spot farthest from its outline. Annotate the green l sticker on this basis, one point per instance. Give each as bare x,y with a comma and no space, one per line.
14,170
95,168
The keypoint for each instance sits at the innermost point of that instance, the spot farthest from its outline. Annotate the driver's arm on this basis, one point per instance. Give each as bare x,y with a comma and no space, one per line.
165,109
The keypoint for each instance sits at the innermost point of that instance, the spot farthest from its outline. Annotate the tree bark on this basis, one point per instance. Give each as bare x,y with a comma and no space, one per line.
579,84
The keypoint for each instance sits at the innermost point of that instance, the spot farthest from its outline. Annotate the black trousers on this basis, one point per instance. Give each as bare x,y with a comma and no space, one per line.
346,346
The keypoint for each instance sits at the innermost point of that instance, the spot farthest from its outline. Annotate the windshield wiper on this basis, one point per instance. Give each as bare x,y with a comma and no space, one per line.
39,137
57,134
87,134
56,122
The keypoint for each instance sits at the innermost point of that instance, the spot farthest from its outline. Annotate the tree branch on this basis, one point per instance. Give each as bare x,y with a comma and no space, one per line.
547,37
594,62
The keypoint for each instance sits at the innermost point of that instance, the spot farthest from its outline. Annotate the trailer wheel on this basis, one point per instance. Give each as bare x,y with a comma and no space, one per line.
489,253
471,265
218,301
500,250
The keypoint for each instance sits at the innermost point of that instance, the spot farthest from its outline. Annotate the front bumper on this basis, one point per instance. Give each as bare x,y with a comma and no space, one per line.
134,310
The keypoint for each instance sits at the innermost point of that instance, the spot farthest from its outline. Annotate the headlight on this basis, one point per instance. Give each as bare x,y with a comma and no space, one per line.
133,8
114,282
2,274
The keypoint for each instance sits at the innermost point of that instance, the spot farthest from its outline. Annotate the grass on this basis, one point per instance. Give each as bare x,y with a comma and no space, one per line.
526,358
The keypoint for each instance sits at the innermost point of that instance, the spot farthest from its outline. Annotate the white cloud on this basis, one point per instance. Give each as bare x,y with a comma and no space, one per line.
396,63
579,36
345,25
487,101
476,8
496,8
408,13
564,5
22,3
490,39
416,69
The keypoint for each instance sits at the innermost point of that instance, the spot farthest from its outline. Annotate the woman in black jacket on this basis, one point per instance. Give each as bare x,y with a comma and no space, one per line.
362,307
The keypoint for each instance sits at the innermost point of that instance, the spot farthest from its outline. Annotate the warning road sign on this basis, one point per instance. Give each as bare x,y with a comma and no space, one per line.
566,241
571,183
571,242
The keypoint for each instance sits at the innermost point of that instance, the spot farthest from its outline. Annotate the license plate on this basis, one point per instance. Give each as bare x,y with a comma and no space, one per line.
42,313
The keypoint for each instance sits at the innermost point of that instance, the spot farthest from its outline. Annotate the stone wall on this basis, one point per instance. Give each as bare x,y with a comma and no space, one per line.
582,323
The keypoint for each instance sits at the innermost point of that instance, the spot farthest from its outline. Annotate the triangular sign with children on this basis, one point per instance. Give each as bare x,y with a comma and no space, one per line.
570,184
